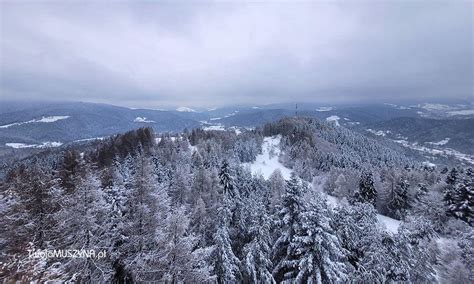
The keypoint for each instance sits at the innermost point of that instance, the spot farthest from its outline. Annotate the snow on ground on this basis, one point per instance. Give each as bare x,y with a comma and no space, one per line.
390,224
217,127
193,148
158,139
461,112
42,145
429,164
441,152
334,118
379,132
396,106
354,123
185,109
231,114
324,109
437,107
440,143
267,162
215,118
143,119
89,139
236,129
44,119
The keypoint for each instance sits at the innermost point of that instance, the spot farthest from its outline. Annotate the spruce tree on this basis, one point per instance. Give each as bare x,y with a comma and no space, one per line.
257,263
319,254
462,199
226,265
226,180
285,261
398,202
367,192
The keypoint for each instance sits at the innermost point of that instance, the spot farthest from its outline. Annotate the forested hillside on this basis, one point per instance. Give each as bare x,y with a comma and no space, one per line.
188,208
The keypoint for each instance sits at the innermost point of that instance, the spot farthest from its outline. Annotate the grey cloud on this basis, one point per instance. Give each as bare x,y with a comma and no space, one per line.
205,54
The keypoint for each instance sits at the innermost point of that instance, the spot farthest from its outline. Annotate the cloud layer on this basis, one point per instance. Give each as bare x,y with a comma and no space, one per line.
207,54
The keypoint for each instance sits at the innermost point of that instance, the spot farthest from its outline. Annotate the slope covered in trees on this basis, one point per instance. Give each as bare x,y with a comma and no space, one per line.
187,209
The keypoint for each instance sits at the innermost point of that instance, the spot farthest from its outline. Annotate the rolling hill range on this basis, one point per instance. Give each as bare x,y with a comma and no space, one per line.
429,128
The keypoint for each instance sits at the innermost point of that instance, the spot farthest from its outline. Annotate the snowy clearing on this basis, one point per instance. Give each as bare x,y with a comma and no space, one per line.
216,127
333,118
391,225
324,109
267,162
378,132
89,139
44,119
442,142
42,145
429,164
437,107
143,119
441,152
185,109
461,112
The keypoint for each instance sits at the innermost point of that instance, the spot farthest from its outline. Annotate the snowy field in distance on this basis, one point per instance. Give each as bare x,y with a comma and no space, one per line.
333,118
143,119
44,119
42,145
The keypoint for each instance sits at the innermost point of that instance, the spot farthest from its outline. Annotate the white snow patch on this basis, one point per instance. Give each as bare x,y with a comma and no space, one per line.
217,127
429,164
89,139
461,112
185,109
333,118
193,148
158,139
215,118
232,113
42,145
236,129
440,143
324,109
390,224
267,162
44,119
378,132
143,119
255,107
396,106
437,107
47,119
446,152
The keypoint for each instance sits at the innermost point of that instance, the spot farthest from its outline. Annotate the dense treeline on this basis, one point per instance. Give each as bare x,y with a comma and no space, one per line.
186,208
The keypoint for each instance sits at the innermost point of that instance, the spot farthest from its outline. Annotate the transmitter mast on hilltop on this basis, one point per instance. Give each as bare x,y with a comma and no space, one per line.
296,110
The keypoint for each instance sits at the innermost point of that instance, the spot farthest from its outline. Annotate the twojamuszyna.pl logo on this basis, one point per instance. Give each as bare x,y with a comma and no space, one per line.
67,253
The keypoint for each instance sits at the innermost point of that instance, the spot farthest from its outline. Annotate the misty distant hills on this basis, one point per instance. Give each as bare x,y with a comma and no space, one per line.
84,120
40,125
452,133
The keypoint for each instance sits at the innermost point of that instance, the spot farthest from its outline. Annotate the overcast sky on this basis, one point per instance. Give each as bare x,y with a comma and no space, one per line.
217,53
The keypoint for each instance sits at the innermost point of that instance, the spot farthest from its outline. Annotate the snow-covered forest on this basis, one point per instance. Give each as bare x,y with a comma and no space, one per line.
293,201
